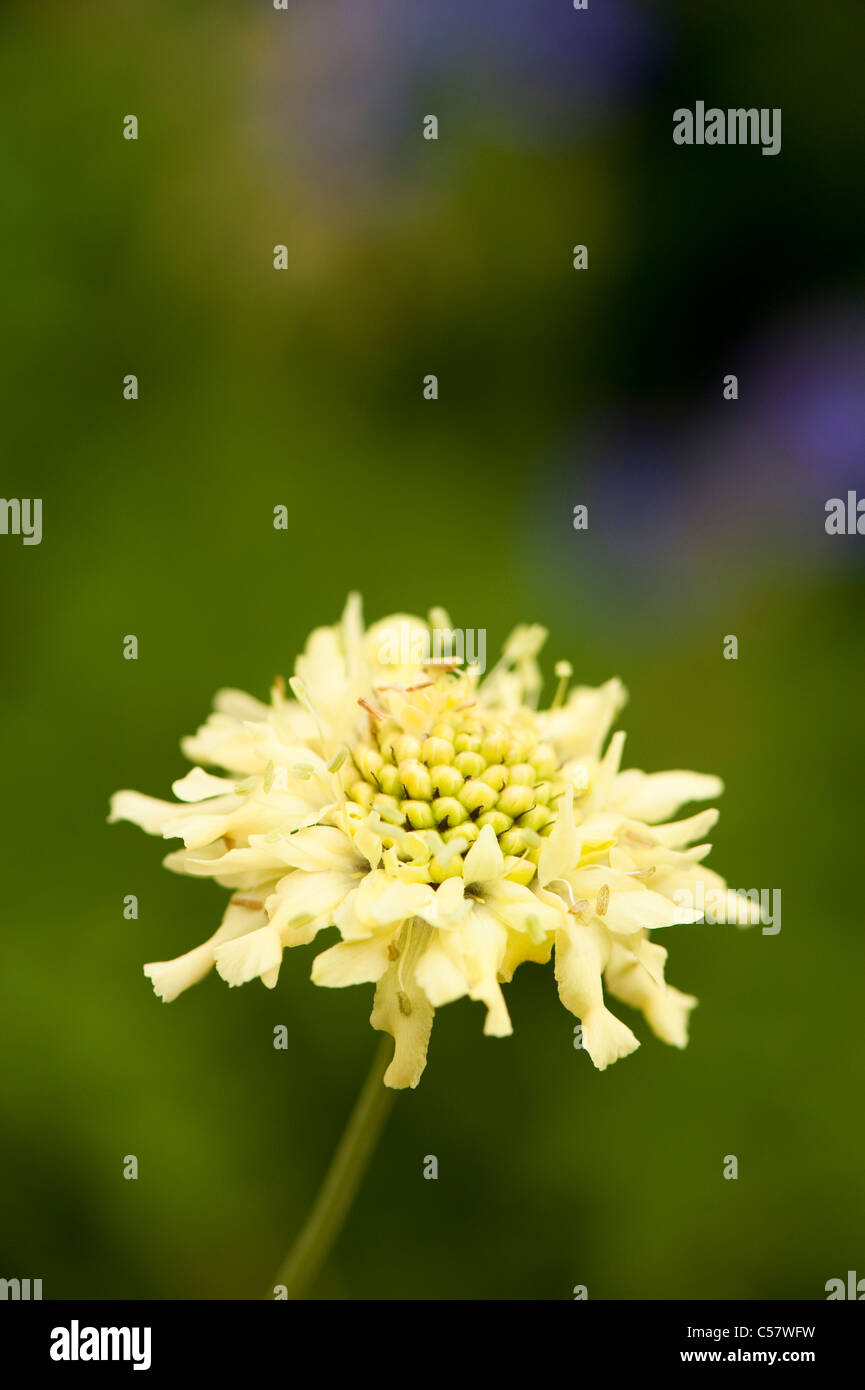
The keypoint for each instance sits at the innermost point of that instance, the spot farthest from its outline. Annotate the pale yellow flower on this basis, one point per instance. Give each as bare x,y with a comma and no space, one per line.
447,828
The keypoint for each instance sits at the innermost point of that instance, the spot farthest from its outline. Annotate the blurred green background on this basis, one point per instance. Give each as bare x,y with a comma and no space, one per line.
303,388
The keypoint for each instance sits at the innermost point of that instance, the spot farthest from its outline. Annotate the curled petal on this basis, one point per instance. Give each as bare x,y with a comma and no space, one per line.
606,1038
257,954
664,1008
402,1009
172,977
679,833
449,905
581,956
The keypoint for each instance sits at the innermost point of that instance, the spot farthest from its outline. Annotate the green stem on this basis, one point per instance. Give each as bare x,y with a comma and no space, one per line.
343,1179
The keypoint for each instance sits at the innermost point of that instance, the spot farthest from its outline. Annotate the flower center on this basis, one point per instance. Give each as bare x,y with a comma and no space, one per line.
469,767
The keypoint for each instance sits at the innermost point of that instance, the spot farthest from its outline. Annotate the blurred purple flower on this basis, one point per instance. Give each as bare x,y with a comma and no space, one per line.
348,81
676,503
809,395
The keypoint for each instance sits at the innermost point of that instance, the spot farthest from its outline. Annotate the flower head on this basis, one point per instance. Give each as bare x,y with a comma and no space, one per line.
448,828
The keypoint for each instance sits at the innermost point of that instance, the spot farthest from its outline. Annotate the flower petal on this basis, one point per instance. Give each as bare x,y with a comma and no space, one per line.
665,1009
449,905
172,977
560,851
580,959
301,904
199,785
660,794
632,911
403,1010
380,901
257,953
440,978
520,908
606,1038
484,860
679,833
352,962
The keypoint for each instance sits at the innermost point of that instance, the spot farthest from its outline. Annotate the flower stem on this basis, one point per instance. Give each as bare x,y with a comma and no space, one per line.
343,1179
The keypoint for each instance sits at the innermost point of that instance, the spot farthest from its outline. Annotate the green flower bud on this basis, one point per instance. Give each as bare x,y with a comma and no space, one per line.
446,780
515,800
494,747
416,779
369,762
521,774
419,814
387,737
362,793
405,747
497,819
543,759
443,730
467,832
447,808
477,796
537,818
389,809
469,764
389,780
518,840
496,776
436,751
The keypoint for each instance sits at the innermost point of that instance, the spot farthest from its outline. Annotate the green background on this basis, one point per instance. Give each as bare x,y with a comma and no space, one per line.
303,388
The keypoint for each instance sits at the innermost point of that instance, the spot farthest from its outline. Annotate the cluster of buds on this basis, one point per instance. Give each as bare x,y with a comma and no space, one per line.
460,772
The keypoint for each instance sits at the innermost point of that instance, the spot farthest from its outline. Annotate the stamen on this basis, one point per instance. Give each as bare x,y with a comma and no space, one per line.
301,693
337,760
570,890
564,670
371,709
